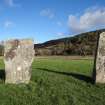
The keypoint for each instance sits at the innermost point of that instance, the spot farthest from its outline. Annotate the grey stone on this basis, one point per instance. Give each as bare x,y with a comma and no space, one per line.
18,57
100,60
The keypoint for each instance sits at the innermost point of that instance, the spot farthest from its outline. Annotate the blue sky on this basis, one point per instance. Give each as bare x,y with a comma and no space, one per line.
44,20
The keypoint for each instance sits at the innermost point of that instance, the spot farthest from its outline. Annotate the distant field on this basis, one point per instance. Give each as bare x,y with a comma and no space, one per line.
65,57
55,81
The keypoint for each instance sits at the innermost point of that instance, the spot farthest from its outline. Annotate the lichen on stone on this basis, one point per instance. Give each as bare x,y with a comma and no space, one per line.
11,53
100,60
18,58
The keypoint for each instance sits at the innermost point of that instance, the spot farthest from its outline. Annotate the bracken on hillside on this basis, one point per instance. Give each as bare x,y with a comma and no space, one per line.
81,44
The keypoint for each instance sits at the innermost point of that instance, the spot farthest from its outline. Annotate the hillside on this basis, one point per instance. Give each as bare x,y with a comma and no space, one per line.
81,44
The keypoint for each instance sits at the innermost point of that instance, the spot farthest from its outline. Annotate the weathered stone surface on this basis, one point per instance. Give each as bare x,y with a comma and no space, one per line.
18,57
100,60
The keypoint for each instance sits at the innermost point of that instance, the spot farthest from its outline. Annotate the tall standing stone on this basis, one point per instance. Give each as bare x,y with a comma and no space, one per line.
100,60
18,57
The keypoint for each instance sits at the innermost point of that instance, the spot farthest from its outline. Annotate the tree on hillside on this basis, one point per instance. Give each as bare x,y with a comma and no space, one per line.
1,50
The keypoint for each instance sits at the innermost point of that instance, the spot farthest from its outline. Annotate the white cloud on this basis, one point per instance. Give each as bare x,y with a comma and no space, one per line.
93,18
48,13
8,24
60,34
11,3
59,23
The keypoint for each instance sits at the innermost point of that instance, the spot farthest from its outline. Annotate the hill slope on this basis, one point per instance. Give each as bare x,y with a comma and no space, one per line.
82,44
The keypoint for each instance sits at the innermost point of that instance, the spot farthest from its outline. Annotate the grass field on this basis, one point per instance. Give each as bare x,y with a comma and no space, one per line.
55,81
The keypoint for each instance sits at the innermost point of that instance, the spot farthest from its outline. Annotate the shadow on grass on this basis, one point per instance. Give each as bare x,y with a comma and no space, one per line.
75,75
2,74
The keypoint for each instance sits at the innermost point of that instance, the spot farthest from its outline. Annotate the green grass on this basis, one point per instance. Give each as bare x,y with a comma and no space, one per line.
55,82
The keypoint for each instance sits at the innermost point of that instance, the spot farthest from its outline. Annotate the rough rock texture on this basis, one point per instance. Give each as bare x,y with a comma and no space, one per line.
18,57
100,60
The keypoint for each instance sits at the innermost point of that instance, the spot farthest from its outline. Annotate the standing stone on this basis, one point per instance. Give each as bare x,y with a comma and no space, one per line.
100,60
18,57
